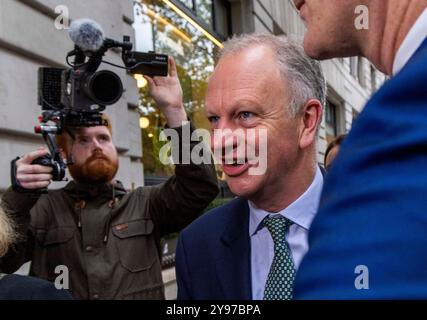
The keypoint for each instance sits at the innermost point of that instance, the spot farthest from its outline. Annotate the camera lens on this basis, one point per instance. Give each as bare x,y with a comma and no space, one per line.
104,87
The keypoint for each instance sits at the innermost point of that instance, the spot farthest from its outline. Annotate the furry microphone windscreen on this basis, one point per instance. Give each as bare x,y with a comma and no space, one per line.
87,34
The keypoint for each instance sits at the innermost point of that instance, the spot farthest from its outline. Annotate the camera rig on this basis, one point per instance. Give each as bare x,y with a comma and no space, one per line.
76,96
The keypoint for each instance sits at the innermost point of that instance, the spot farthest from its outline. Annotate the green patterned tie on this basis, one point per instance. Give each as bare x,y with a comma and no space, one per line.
281,277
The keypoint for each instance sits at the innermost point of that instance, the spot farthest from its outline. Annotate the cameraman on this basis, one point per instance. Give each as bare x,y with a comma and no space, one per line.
108,239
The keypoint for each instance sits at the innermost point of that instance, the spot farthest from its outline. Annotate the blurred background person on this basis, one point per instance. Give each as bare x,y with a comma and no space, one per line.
332,151
16,287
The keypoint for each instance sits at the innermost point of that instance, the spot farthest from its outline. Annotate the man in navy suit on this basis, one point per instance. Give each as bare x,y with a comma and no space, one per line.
369,239
269,95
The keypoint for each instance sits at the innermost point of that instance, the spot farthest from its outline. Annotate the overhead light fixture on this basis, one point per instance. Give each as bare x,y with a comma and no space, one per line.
194,23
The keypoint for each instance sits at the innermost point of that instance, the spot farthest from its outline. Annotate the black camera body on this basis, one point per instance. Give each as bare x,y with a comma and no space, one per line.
147,63
83,90
80,93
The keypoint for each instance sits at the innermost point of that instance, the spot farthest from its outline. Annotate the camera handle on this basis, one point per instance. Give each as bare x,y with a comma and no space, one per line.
57,162
53,160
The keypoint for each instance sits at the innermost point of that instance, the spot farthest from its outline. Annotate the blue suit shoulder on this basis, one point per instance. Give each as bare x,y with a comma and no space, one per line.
16,287
372,211
215,220
202,251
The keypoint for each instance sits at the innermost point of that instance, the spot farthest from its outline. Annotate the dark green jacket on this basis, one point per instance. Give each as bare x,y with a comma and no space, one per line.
109,239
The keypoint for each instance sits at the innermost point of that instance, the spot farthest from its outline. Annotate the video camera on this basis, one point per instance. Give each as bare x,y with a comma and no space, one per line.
76,96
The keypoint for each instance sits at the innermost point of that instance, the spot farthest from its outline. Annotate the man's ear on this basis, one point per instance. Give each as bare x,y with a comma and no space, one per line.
311,116
64,141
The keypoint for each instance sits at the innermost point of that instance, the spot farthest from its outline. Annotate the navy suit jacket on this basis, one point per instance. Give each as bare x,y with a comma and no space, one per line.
213,255
16,287
373,210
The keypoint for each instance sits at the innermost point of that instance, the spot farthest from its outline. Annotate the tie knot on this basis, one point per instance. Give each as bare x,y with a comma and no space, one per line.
278,226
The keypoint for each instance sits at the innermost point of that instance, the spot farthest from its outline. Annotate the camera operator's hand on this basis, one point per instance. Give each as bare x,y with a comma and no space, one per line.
167,93
33,176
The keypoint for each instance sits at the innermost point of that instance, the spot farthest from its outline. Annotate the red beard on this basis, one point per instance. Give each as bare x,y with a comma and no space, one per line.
98,168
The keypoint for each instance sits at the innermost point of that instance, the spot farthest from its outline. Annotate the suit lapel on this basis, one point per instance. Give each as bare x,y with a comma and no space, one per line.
423,46
233,264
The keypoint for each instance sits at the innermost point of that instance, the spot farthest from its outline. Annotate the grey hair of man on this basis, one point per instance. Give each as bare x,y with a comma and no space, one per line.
303,75
7,232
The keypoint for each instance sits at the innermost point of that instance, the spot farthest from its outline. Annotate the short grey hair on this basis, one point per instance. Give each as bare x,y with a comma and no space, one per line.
303,75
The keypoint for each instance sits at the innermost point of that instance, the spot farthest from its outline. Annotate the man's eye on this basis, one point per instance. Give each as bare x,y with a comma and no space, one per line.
83,140
245,115
213,119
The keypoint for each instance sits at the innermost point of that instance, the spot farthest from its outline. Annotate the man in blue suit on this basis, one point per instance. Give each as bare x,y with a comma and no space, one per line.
269,95
369,239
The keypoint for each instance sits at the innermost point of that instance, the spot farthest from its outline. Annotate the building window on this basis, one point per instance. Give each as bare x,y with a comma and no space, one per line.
222,18
211,14
188,3
204,10
331,119
160,28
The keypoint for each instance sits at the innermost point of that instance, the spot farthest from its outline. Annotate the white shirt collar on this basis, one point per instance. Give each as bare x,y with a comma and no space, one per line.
301,211
412,42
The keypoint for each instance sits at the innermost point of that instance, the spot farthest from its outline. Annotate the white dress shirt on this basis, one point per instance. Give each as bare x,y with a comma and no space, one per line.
412,42
301,212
